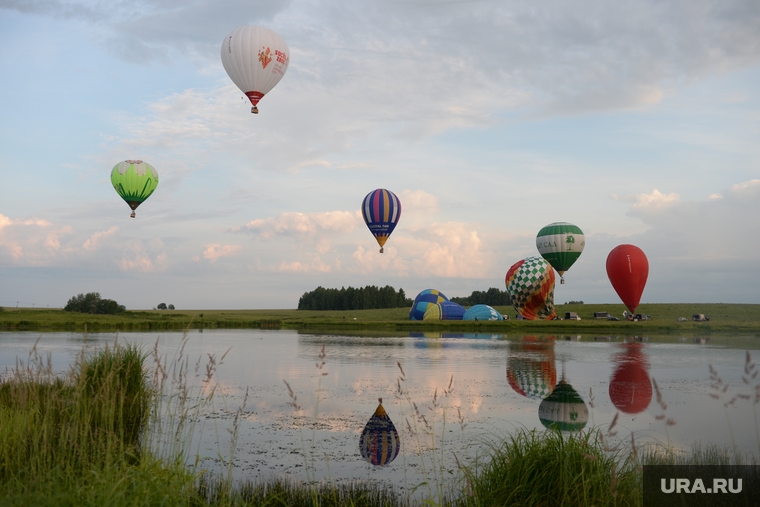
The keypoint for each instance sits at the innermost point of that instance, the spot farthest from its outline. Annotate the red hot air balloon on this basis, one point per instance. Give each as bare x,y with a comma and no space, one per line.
628,269
630,385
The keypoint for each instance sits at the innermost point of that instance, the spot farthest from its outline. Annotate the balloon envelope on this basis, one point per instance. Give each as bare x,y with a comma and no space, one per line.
481,312
134,181
628,269
530,284
381,210
564,409
531,368
255,58
630,386
379,443
446,310
560,243
423,299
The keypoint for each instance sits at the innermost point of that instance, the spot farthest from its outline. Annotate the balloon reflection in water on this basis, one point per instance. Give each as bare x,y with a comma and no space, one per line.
564,409
531,368
379,442
630,385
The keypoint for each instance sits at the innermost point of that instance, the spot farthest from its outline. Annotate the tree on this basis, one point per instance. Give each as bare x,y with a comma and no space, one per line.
171,307
93,303
161,306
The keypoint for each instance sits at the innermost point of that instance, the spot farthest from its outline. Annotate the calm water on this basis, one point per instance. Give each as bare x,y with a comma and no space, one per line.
472,389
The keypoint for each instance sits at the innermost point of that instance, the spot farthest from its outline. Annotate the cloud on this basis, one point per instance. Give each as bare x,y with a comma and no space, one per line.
655,199
215,251
93,241
295,224
451,249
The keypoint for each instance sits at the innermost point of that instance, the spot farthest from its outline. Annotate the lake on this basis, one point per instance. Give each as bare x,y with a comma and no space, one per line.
449,395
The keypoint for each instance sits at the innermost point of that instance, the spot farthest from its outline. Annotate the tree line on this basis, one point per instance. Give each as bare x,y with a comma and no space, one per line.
363,298
369,297
490,297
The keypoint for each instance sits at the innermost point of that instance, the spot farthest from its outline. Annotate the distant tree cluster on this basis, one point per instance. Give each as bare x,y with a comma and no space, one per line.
93,303
353,298
491,297
162,306
574,303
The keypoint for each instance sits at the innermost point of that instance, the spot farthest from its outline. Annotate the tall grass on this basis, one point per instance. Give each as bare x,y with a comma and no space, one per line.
532,468
76,438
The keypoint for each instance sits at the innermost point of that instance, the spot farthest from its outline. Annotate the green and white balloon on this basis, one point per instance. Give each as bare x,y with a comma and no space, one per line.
563,409
560,243
134,181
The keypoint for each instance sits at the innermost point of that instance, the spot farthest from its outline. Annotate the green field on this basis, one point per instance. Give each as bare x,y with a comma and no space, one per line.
740,318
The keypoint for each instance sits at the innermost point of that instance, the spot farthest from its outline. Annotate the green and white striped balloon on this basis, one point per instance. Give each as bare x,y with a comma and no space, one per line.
560,243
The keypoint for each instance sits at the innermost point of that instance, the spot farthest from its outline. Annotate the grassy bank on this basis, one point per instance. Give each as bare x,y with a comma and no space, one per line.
740,318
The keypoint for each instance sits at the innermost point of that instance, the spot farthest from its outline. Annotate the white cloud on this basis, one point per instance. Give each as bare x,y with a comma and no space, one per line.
655,199
295,224
93,241
214,252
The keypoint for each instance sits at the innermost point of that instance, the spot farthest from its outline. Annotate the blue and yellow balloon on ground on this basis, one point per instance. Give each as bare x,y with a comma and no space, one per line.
423,300
445,310
379,443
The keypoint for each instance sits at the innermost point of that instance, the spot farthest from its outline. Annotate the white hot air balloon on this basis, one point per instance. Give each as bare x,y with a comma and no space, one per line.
255,58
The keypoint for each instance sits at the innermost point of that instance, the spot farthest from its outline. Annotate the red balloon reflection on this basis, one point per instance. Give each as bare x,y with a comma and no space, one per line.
630,385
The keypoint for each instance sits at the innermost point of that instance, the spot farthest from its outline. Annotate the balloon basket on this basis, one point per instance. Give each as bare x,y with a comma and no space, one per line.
132,215
381,250
255,110
561,281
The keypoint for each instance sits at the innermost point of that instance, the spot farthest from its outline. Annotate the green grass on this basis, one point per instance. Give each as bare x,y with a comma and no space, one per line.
741,318
532,468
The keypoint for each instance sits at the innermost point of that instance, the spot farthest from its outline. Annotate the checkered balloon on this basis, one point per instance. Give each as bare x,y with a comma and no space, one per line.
530,284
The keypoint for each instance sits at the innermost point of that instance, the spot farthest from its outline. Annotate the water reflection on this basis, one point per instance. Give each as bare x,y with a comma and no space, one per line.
273,440
379,443
630,385
531,367
564,409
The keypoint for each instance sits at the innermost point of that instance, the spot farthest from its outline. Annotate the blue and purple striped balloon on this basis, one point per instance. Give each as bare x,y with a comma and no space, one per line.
381,210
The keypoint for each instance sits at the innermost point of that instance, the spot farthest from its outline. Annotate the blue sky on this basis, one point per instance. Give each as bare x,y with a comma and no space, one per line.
636,121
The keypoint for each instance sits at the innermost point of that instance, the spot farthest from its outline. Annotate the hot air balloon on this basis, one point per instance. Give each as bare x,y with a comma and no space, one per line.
560,243
628,269
134,181
423,299
530,284
381,210
255,58
563,409
445,310
531,368
630,386
379,443
481,312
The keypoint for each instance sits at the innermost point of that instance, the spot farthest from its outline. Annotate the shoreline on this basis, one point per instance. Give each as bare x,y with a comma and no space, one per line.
724,318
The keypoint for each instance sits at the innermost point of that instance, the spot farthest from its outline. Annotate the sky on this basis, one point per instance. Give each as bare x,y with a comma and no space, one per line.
638,121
